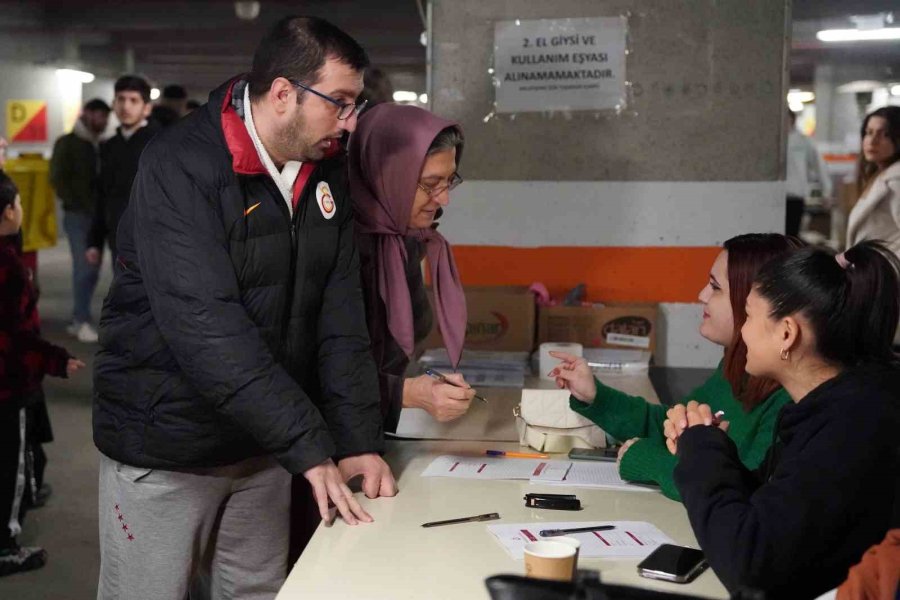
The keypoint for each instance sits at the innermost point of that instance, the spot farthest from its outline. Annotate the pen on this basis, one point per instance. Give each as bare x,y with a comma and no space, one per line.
443,379
484,517
618,366
515,454
555,532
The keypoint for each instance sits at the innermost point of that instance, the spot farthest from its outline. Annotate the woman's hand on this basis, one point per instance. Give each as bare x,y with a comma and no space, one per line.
442,401
73,366
693,414
575,375
624,449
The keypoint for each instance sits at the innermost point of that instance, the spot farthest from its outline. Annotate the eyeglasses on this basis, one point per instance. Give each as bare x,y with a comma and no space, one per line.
437,190
344,109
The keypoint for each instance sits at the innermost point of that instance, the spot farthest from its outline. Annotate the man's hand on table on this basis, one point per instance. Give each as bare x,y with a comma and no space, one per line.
377,477
328,484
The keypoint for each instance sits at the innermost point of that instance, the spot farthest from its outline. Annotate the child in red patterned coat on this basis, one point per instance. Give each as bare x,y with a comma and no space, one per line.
25,358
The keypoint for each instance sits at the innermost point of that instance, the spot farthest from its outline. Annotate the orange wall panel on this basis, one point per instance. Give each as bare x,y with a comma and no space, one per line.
612,274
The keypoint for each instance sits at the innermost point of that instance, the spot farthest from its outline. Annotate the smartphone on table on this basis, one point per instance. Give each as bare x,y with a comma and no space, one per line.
673,563
607,454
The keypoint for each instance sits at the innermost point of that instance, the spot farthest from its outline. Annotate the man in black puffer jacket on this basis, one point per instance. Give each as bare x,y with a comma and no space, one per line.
234,343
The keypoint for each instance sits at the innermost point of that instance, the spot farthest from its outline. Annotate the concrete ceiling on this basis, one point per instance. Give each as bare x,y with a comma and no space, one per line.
200,43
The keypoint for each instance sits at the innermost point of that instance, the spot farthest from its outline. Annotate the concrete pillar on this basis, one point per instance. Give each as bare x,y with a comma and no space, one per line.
635,204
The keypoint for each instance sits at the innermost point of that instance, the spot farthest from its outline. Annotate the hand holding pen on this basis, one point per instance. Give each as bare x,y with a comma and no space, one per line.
444,397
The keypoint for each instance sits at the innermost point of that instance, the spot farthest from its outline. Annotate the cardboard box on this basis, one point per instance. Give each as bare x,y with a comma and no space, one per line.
500,318
601,326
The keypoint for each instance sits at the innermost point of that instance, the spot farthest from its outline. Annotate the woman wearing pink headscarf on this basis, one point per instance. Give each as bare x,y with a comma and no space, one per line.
403,162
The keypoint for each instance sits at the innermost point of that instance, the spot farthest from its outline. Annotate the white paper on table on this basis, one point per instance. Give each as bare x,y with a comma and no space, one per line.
487,467
594,474
629,539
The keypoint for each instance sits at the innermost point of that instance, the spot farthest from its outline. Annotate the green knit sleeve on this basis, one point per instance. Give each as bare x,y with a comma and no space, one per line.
620,415
648,460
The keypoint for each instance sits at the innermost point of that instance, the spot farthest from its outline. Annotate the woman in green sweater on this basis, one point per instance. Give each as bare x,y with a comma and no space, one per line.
750,404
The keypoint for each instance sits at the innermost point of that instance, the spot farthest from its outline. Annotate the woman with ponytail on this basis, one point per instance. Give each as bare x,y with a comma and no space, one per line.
822,327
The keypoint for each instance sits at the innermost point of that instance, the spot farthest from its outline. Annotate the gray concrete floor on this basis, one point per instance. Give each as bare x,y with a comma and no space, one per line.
67,526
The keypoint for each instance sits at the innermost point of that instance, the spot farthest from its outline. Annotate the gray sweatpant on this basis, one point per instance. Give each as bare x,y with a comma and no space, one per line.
217,532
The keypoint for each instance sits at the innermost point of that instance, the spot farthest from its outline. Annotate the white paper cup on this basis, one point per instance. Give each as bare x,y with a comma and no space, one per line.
546,363
570,541
550,560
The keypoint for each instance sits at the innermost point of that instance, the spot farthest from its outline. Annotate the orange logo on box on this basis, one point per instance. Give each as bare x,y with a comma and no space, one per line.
487,331
26,120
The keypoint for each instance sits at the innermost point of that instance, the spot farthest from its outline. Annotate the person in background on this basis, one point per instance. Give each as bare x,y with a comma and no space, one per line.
119,163
876,214
73,173
234,350
25,358
175,97
751,404
377,89
821,326
191,106
806,175
403,164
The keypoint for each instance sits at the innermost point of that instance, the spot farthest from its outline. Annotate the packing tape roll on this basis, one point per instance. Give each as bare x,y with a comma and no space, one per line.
547,362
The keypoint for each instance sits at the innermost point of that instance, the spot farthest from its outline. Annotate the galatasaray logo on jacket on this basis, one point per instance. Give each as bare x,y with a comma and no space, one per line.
325,199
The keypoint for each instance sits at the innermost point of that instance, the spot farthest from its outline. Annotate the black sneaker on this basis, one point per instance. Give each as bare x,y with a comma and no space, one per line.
21,558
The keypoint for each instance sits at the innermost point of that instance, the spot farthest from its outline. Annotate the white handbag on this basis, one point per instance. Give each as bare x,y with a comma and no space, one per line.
546,423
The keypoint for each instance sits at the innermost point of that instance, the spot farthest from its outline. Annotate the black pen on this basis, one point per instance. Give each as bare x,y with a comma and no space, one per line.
554,532
443,379
485,517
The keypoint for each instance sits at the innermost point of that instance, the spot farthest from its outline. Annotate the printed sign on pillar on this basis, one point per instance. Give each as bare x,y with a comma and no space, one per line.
26,120
560,64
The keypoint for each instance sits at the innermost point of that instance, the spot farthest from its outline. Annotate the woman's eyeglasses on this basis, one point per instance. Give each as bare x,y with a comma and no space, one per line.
437,190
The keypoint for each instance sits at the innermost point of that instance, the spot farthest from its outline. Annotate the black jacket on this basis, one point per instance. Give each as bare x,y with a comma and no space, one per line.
73,172
230,329
390,358
118,167
824,494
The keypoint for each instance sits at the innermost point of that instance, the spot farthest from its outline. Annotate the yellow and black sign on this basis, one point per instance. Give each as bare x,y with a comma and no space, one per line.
26,120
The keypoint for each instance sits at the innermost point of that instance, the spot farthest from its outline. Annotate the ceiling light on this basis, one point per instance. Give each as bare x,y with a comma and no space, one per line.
246,11
860,86
154,94
859,35
800,96
404,96
423,98
795,106
895,90
75,75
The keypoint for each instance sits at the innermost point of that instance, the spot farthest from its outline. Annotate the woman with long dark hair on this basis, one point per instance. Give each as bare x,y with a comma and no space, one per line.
876,215
821,326
751,404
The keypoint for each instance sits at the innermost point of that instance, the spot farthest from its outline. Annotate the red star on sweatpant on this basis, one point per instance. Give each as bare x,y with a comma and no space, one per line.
124,527
130,538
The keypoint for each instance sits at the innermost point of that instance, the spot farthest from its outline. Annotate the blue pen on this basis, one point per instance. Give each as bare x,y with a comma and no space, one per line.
443,379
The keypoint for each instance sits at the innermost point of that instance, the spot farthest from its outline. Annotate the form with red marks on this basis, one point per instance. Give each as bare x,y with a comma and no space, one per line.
629,539
486,467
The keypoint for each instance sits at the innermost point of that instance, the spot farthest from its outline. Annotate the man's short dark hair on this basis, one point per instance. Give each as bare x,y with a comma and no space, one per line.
174,92
133,83
96,105
297,47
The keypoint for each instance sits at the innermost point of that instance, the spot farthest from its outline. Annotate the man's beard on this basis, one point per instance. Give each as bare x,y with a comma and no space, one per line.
294,142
